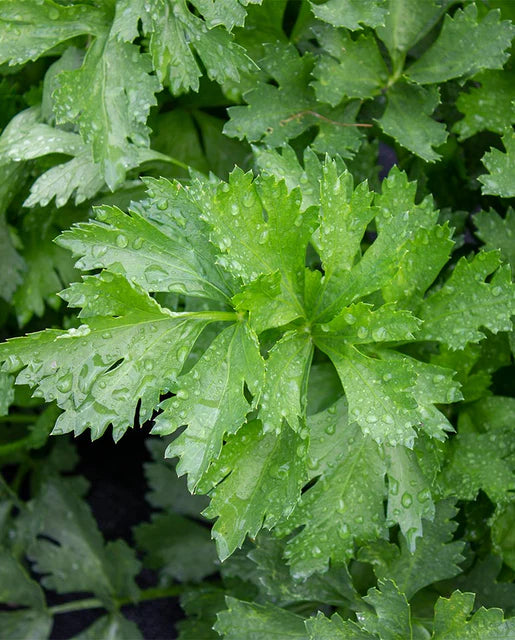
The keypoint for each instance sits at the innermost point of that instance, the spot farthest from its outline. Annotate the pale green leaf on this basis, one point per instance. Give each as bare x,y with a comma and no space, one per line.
267,305
31,29
409,494
379,391
161,245
116,92
211,400
285,386
399,221
255,482
321,628
345,213
98,372
286,166
467,297
344,505
392,617
251,246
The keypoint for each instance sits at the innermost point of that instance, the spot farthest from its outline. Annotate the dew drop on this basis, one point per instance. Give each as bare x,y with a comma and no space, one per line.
121,240
406,500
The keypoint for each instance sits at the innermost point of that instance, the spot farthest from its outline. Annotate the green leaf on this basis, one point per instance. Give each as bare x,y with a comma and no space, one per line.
111,627
246,621
345,213
497,233
100,371
409,494
350,68
407,119
344,505
485,459
11,263
489,104
74,557
114,76
6,393
167,491
49,269
392,618
402,227
286,379
179,548
477,303
16,587
482,580
501,168
487,42
265,302
452,620
254,483
167,22
285,165
201,606
322,628
502,533
490,414
251,246
273,574
276,114
25,623
27,138
351,14
435,558
406,23
32,29
389,393
211,400
161,246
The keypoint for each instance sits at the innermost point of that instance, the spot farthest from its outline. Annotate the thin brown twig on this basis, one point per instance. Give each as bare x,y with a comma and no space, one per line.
308,112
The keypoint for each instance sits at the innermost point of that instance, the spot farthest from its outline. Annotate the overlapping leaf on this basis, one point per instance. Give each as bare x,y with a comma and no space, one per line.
237,245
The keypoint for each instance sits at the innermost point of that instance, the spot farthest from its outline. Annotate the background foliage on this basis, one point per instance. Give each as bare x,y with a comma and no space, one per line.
321,345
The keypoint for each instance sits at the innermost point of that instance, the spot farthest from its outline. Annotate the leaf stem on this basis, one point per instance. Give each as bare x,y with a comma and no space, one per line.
216,316
153,593
315,114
